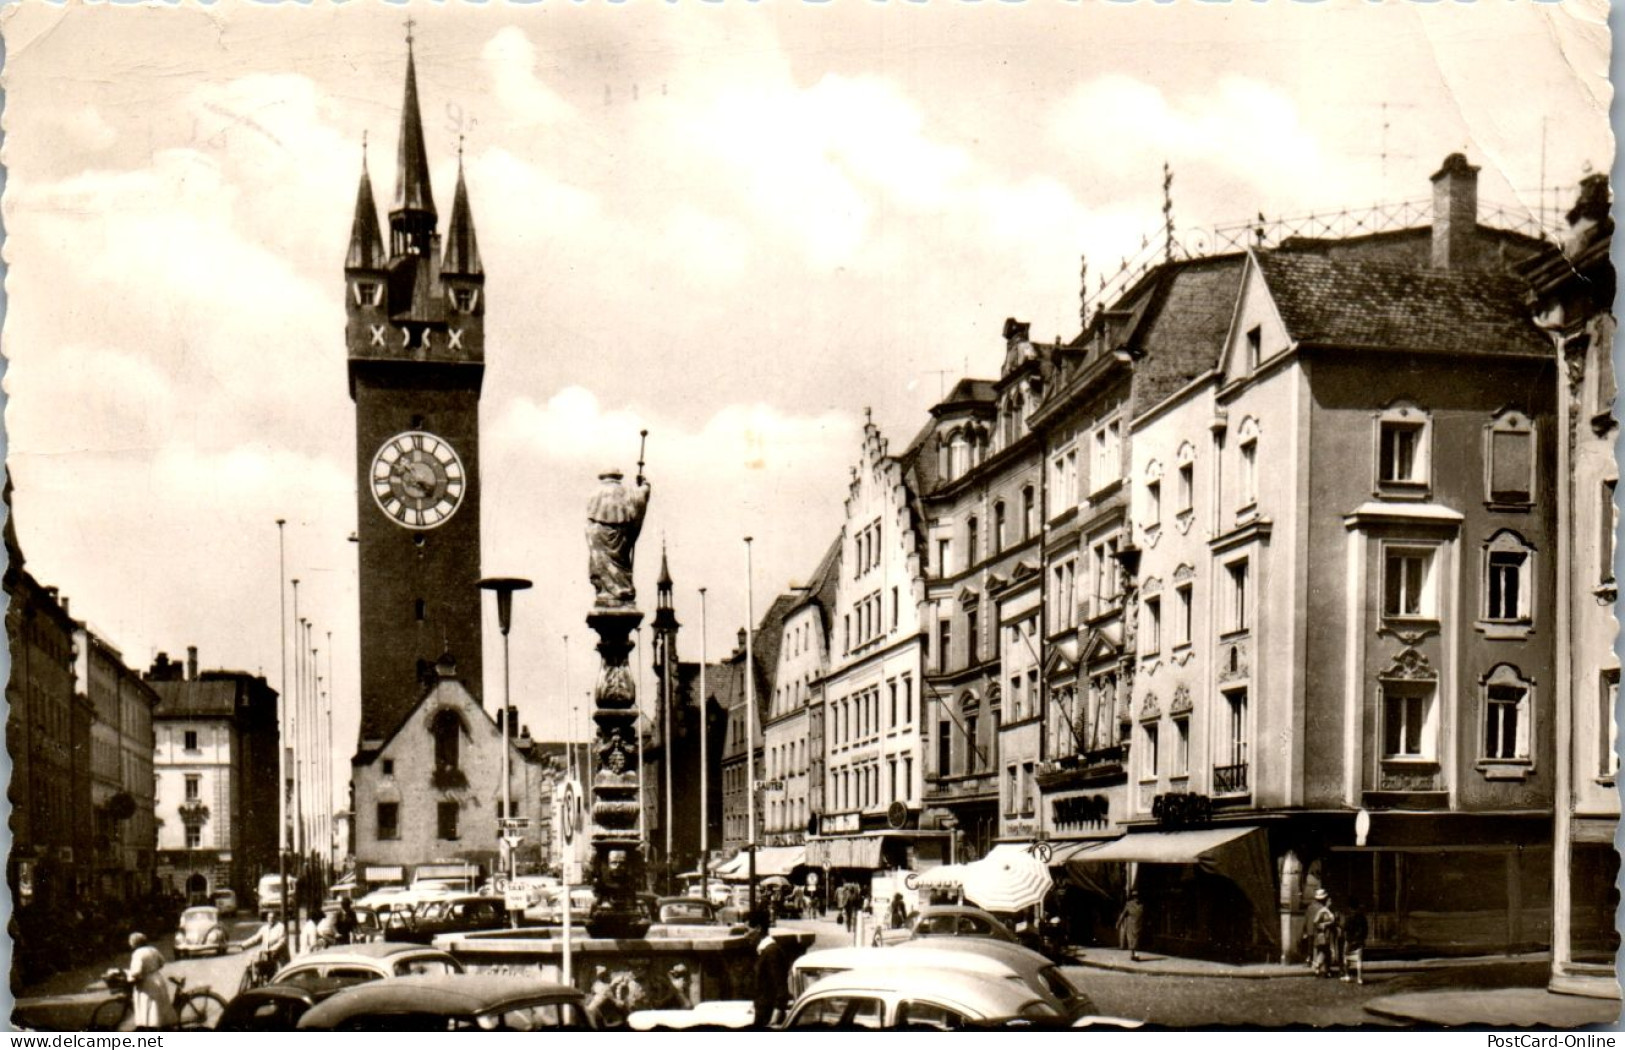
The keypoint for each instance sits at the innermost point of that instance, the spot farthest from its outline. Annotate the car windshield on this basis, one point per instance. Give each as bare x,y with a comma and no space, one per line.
407,967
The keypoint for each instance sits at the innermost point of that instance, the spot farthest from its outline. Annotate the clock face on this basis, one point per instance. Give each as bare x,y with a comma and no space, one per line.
418,480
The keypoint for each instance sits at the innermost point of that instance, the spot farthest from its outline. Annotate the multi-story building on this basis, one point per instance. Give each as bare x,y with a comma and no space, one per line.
744,734
786,733
215,771
48,738
1367,458
121,780
1573,294
873,692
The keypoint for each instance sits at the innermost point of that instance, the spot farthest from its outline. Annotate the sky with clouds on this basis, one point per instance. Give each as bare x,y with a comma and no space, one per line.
735,225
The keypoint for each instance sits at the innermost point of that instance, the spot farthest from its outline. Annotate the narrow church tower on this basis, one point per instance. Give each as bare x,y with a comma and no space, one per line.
415,338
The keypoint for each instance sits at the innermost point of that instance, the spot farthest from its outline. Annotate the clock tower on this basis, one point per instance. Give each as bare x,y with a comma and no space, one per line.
415,335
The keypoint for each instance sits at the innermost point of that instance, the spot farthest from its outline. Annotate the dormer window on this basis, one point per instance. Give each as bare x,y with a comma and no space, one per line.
464,299
1255,347
367,293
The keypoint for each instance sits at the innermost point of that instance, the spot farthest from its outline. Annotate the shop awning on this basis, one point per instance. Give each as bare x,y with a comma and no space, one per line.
1240,854
851,851
770,860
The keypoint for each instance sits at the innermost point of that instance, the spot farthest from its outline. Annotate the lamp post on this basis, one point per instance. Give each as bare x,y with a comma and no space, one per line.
705,766
750,729
505,586
282,722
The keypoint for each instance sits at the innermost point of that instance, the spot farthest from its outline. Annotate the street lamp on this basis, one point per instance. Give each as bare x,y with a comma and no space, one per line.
504,586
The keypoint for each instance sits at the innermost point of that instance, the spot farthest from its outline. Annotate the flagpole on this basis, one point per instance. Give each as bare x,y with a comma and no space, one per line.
750,727
705,766
282,721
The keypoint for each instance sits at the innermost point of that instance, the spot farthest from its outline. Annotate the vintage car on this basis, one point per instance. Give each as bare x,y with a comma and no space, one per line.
919,1000
949,920
200,932
1010,962
453,1002
225,902
361,963
274,1007
456,914
686,911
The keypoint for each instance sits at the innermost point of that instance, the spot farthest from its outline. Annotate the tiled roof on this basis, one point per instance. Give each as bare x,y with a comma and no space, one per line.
1185,333
1357,305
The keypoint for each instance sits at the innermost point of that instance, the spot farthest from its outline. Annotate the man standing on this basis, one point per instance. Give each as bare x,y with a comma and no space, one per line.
1321,929
149,995
1130,924
772,974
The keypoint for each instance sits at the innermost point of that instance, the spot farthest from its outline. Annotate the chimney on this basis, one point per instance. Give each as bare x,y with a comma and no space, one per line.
65,606
741,640
191,663
1455,213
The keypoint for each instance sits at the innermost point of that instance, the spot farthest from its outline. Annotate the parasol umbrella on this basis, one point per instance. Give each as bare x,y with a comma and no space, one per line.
1008,883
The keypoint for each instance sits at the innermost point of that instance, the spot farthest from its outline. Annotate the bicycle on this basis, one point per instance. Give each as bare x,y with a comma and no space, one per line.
197,1009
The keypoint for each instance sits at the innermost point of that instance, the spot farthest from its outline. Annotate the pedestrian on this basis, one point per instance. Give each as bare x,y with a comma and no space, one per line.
1355,931
1130,924
149,992
346,922
772,974
850,905
1320,926
899,912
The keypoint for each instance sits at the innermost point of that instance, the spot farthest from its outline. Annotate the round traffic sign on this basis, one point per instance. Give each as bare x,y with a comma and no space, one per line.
570,813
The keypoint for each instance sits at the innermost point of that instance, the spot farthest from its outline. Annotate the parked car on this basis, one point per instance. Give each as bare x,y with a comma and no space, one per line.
271,890
686,911
949,920
452,915
918,1000
967,955
550,909
200,932
368,927
225,902
274,1007
453,1002
361,963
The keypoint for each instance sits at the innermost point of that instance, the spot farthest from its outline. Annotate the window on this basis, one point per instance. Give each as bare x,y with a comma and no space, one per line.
419,609
1508,580
191,740
389,767
1184,613
1608,737
1152,629
1506,715
1027,787
999,538
1108,464
1062,597
973,541
194,836
1249,472
1407,712
1231,777
1407,582
945,748
945,637
1255,347
1402,446
1609,518
1510,456
971,762
193,784
1029,513
1148,767
1182,747
896,608
908,700
892,709
389,820
1153,504
366,293
942,557
1187,481
447,729
1063,482
1103,555
1237,610
464,298
973,636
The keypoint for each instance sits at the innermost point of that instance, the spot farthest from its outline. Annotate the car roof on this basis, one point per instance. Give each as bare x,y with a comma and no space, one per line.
369,951
988,996
450,995
908,954
684,900
957,909
1004,951
194,909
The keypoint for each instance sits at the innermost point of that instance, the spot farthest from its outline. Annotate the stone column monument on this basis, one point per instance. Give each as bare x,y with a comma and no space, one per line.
614,519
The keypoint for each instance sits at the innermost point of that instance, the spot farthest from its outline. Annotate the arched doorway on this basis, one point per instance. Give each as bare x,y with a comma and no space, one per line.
197,887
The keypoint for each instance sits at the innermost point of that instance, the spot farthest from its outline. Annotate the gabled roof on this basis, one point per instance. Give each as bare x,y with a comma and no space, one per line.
1356,305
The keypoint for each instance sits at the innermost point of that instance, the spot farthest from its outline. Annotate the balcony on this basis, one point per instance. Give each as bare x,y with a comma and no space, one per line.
1230,780
1102,765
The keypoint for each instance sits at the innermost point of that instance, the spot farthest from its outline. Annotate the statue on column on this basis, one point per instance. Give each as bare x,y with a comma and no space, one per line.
614,520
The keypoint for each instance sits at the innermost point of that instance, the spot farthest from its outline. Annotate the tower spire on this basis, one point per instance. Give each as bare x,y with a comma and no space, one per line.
462,248
366,239
412,219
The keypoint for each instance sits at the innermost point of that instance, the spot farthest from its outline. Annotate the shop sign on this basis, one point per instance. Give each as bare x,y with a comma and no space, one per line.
1020,827
841,823
1090,811
1182,809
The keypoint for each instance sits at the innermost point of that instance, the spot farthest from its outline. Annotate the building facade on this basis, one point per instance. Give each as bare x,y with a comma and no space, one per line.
215,771
121,769
803,657
1572,295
